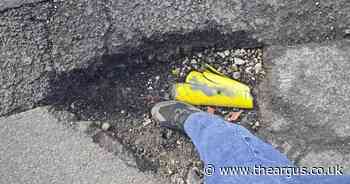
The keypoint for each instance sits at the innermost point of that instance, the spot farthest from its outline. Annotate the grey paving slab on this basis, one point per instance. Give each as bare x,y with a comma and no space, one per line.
305,102
35,148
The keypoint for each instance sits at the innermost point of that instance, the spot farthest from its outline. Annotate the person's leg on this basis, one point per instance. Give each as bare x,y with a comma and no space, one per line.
222,144
218,141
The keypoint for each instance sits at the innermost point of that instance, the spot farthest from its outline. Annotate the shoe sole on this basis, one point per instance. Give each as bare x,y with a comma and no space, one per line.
158,117
155,110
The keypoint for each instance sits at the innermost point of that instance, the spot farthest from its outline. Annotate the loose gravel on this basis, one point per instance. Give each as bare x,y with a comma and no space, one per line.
122,98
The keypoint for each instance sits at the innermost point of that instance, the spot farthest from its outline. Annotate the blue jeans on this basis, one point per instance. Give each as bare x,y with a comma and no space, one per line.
231,154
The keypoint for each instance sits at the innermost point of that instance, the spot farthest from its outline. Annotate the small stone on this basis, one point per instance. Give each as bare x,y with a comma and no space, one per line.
182,74
248,70
260,51
122,112
243,51
234,68
157,77
168,134
258,68
211,60
84,125
250,64
257,123
106,126
227,52
193,61
236,75
185,61
150,57
239,61
347,32
176,71
147,121
237,52
75,105
221,54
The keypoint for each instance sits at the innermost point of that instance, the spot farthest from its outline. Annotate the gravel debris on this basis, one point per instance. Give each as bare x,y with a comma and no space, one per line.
127,95
258,68
146,120
347,31
227,53
239,61
105,126
221,54
236,75
244,65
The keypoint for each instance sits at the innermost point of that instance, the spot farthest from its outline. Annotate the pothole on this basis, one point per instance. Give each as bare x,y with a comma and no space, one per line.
122,88
124,95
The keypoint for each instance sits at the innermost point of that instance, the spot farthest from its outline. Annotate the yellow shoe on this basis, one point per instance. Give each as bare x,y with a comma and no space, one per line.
214,89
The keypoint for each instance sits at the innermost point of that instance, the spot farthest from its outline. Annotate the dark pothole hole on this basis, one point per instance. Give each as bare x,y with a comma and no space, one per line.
121,89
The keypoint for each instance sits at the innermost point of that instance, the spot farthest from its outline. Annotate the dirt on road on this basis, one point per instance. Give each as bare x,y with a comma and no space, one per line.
124,95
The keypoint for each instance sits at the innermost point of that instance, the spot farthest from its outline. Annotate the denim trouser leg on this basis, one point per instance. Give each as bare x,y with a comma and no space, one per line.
223,144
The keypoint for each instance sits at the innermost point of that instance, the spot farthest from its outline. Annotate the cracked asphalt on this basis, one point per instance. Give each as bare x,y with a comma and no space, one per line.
43,39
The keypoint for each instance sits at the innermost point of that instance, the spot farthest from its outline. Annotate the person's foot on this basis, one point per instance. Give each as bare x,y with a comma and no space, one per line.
172,114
